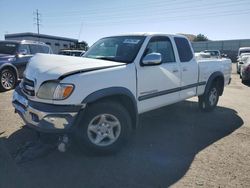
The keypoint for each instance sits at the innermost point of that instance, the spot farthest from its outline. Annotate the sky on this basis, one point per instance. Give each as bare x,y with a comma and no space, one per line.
92,20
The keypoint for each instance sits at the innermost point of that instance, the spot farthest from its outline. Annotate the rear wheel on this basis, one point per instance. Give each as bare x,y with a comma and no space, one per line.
104,128
208,101
245,81
8,79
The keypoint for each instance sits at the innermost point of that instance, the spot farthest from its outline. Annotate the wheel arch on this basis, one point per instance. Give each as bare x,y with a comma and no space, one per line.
118,94
218,78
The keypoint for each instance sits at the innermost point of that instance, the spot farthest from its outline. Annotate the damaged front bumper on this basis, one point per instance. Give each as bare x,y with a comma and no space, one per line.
46,117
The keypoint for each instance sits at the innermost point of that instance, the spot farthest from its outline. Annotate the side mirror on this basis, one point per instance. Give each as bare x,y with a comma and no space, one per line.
152,59
23,52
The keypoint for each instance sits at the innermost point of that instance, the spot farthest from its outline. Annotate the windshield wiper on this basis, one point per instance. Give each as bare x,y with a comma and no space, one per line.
106,58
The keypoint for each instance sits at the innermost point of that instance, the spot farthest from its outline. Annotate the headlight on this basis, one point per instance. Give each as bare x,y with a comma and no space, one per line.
54,90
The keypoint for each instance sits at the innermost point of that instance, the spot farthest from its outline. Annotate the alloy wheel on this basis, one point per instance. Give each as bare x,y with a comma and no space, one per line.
213,96
104,129
7,79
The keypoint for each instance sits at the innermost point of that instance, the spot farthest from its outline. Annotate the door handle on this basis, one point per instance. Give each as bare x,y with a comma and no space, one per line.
184,69
175,70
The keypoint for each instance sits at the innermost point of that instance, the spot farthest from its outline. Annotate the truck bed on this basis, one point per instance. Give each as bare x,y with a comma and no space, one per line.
209,66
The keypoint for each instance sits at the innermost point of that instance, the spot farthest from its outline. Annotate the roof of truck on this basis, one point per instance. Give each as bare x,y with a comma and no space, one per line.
149,34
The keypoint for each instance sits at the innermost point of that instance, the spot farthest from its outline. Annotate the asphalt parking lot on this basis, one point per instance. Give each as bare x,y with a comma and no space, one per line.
174,146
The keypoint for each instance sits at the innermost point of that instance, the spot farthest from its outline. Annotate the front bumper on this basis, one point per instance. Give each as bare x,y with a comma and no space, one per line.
45,117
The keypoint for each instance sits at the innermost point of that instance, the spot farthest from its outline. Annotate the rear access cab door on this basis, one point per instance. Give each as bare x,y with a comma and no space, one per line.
188,67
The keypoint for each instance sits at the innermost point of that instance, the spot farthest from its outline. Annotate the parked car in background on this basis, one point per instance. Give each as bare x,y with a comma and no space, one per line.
243,50
213,53
14,56
245,71
99,97
77,53
243,58
202,55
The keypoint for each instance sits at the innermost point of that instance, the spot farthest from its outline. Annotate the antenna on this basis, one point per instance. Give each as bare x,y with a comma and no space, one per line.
80,32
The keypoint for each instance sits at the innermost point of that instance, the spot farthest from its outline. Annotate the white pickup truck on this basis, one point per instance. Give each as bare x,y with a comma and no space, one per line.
99,97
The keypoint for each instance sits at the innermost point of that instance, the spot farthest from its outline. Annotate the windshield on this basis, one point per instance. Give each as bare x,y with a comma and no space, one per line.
212,53
244,54
121,48
64,53
8,48
244,51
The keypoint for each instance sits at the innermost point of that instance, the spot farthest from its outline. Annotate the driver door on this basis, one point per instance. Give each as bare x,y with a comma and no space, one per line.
159,85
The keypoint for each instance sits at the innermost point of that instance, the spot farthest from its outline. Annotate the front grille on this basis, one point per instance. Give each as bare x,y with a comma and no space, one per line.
28,87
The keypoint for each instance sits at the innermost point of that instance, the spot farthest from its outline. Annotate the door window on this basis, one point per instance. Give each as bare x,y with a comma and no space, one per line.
38,49
24,47
184,49
163,46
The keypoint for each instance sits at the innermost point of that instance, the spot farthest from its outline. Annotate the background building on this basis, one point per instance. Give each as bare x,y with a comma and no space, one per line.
55,42
229,47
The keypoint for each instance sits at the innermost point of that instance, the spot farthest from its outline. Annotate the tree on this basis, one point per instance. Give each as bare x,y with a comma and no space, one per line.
83,45
200,37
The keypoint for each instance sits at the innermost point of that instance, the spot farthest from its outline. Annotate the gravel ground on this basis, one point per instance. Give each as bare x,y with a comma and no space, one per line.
175,146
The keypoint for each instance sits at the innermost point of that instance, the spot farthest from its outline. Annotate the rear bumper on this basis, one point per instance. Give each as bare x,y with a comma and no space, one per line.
45,117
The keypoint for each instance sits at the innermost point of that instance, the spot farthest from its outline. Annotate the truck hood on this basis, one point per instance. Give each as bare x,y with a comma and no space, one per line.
50,67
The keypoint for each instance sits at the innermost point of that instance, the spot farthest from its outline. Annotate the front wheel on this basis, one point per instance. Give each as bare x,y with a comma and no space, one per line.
209,100
104,128
8,79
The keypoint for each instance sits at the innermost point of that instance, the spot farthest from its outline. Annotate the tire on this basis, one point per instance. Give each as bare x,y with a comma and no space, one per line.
245,81
8,79
104,128
209,100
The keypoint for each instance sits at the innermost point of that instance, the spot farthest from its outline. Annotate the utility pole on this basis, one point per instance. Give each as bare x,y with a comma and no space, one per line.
80,32
38,20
